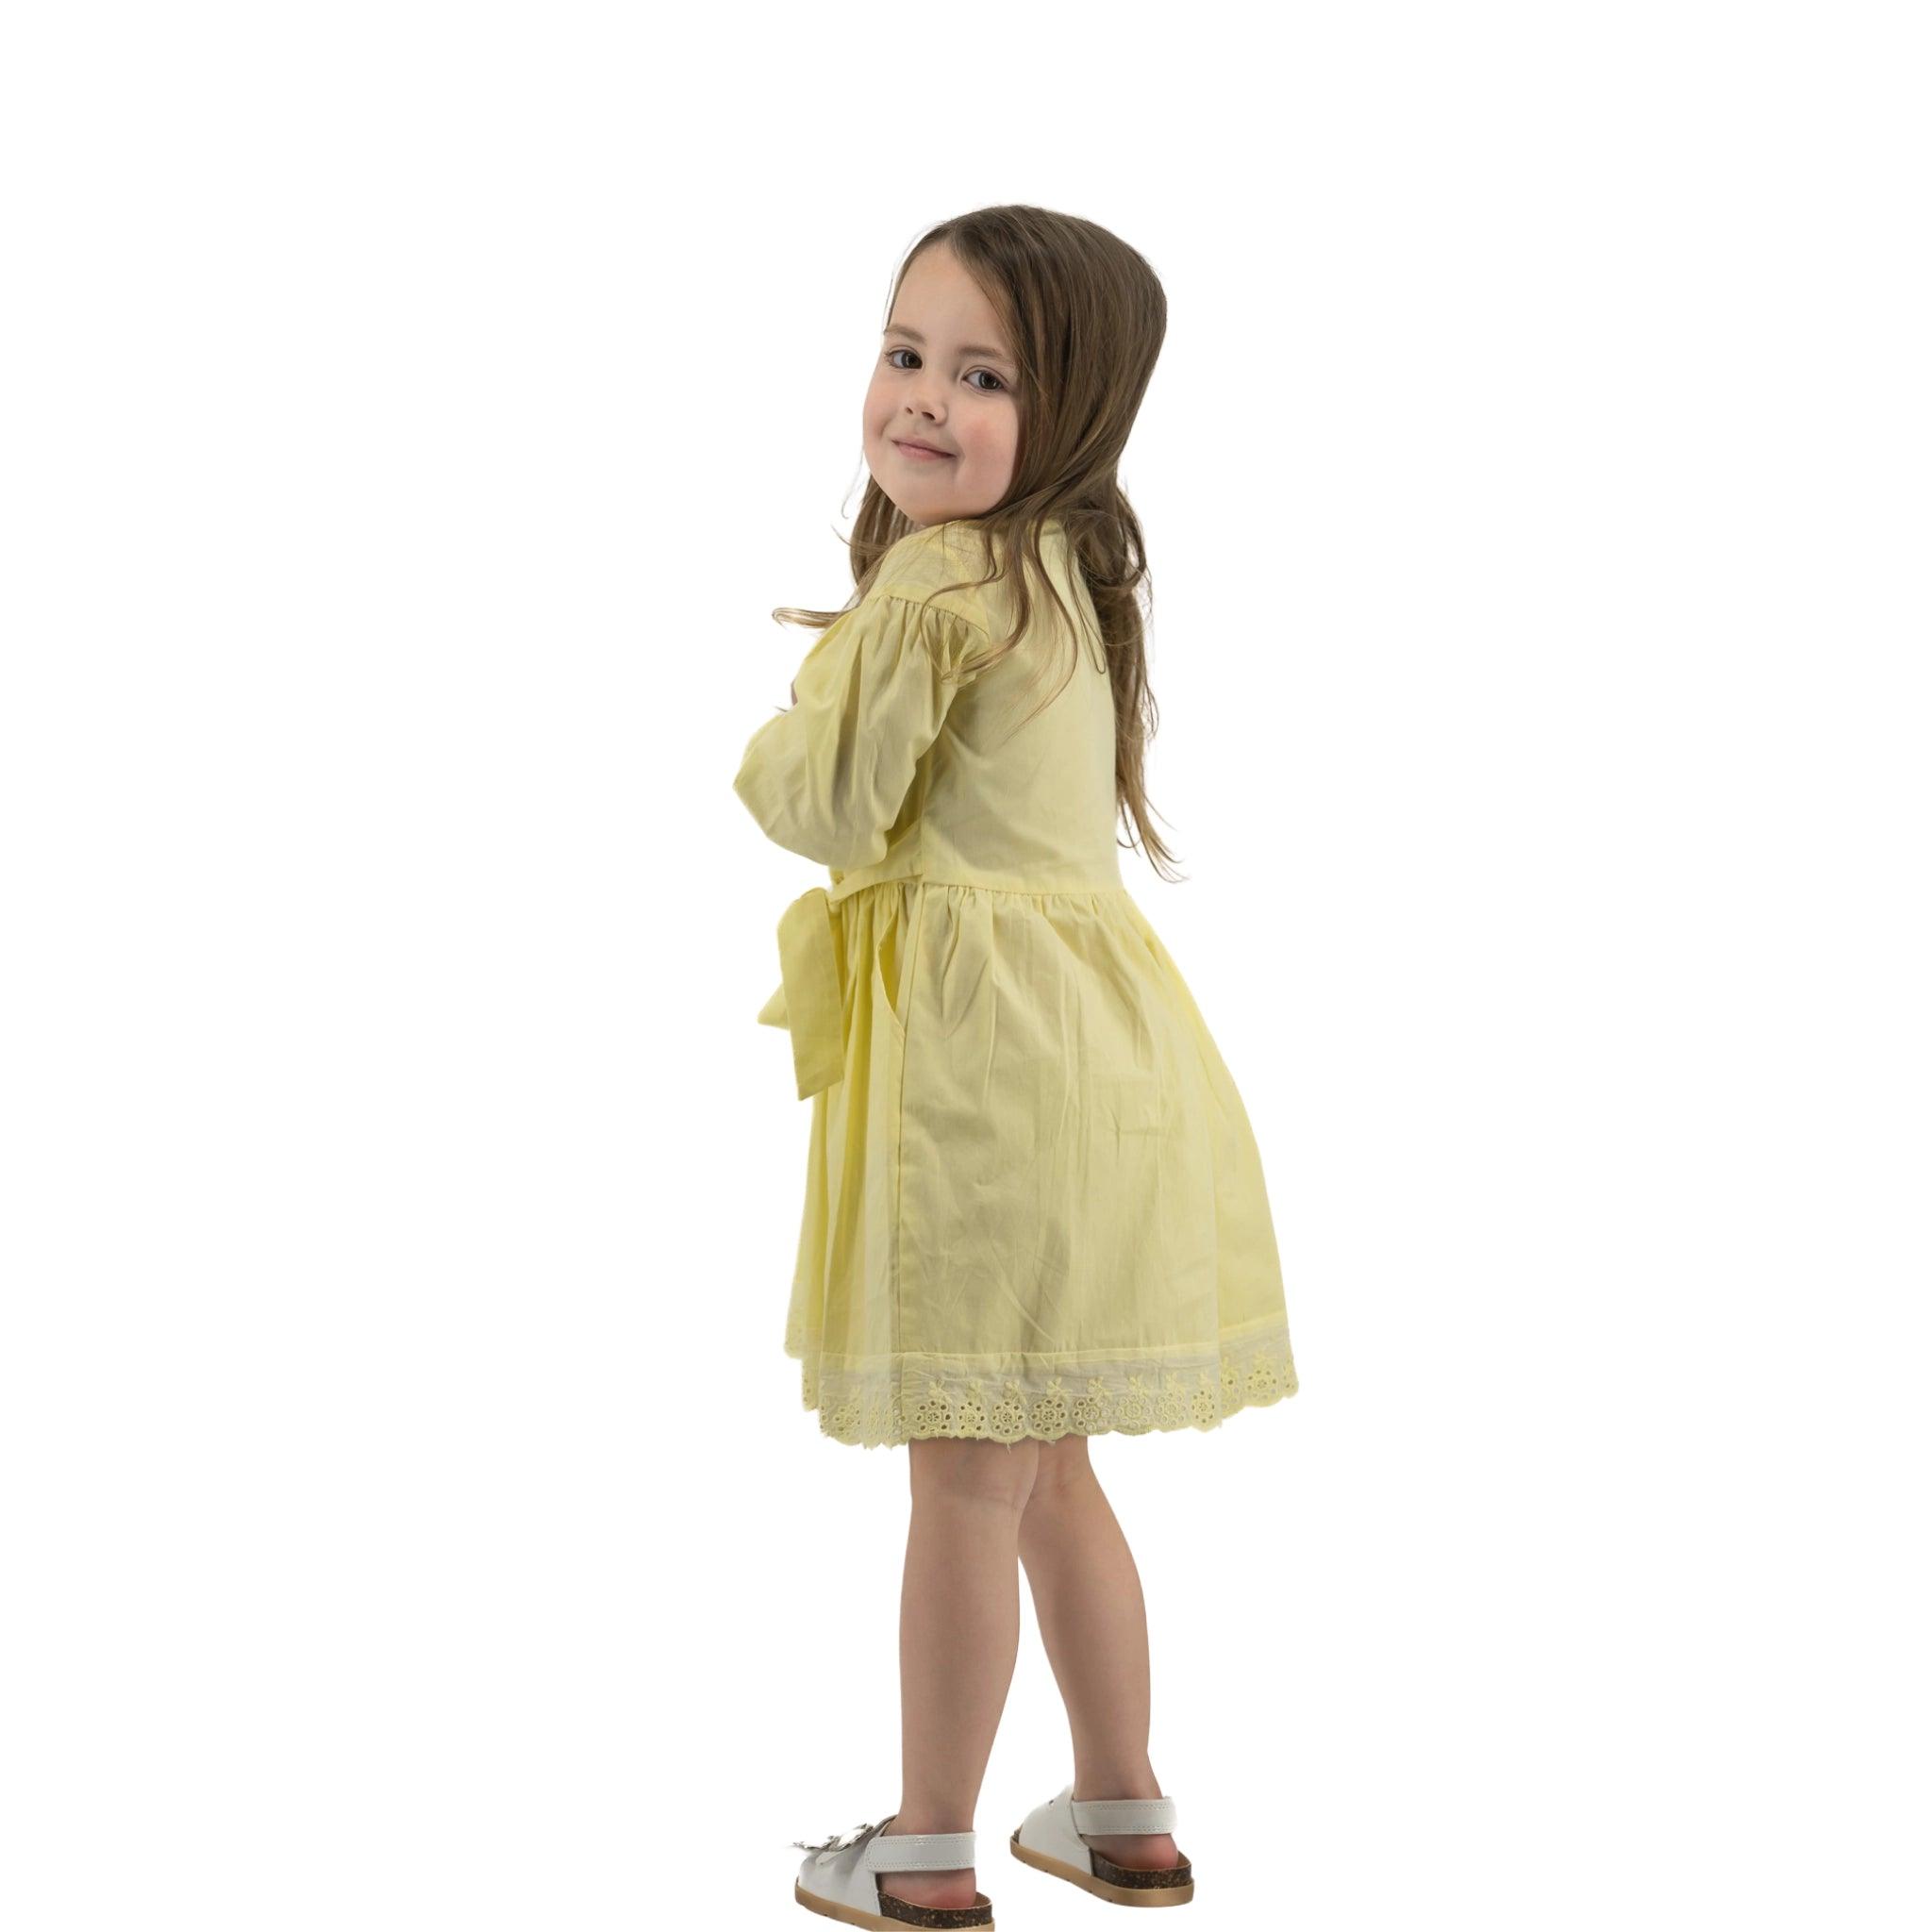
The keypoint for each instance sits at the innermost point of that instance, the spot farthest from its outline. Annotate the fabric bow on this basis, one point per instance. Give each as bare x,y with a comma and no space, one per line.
811,1001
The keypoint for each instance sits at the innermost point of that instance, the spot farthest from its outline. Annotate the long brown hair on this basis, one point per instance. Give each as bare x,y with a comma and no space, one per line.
1086,316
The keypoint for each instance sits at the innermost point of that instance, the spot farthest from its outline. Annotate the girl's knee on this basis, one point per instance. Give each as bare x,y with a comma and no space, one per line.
979,1470
1061,1463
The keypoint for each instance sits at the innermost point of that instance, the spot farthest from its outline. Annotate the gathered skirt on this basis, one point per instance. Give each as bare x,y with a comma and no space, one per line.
1033,1205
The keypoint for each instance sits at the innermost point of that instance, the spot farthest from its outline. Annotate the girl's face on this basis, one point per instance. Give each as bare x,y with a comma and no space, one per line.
946,379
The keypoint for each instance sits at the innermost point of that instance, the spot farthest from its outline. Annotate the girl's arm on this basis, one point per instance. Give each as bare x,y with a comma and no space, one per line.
828,778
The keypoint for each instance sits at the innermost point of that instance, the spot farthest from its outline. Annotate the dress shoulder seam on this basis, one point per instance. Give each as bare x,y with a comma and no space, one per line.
910,596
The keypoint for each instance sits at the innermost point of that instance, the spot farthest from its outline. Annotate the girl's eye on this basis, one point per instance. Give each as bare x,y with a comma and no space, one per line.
998,383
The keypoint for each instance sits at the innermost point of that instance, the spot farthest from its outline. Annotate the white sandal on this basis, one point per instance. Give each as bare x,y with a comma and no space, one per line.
1052,1838
841,1878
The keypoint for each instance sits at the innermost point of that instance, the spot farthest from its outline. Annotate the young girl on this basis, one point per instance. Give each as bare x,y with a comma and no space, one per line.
1033,1207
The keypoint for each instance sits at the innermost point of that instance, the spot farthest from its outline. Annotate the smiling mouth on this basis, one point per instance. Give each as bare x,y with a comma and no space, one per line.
918,449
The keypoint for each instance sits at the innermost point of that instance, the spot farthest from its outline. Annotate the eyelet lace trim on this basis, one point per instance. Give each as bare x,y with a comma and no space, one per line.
878,1408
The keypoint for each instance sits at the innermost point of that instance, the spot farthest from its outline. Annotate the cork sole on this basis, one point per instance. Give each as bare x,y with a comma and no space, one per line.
979,1915
1158,1888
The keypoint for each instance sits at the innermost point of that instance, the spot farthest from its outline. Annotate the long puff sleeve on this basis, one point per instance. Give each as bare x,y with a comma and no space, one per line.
827,779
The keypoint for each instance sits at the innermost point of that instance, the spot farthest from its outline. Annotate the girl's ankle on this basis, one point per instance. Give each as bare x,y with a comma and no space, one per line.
1108,1784
903,1822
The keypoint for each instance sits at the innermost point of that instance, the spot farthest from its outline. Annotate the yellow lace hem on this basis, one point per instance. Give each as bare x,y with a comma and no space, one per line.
890,1405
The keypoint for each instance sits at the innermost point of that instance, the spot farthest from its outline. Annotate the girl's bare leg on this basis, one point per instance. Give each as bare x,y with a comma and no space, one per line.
959,1639
1093,1621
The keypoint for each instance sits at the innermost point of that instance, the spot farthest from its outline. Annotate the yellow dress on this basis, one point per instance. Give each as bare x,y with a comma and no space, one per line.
1034,1205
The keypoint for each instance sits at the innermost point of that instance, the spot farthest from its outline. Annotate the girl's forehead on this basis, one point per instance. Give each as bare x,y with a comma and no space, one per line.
937,296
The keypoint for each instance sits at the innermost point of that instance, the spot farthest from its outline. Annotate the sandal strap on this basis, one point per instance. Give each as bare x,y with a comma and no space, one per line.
1107,1817
921,1851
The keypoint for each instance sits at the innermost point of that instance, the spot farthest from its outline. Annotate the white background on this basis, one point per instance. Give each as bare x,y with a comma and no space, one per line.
411,416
